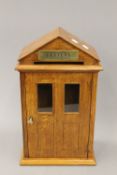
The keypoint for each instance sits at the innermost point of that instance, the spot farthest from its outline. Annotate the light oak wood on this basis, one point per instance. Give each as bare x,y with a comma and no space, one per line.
74,128
61,33
41,137
24,114
58,137
92,114
59,44
66,134
58,68
57,161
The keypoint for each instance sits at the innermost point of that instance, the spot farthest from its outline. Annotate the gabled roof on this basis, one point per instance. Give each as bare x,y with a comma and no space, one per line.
59,32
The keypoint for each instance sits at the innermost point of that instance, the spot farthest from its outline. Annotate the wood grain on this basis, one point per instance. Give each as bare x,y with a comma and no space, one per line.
58,137
59,33
59,44
58,134
57,161
92,114
58,68
24,115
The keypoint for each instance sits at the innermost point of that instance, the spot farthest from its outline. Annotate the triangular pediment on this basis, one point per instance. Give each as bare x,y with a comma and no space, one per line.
63,34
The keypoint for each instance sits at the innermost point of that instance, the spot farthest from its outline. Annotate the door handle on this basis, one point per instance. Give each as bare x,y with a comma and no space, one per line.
30,120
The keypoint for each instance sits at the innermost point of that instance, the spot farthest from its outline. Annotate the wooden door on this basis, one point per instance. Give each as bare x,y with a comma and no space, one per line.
40,102
58,123
73,106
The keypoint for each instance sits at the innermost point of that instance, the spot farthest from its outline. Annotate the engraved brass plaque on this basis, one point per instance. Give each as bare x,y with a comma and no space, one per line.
58,55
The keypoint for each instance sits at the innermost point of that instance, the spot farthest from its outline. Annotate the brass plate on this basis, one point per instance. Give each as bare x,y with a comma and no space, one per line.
58,55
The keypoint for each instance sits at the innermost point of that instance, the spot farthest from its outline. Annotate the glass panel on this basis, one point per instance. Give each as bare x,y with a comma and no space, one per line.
44,97
72,92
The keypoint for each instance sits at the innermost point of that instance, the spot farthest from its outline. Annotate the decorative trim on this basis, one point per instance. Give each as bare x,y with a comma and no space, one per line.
59,68
57,161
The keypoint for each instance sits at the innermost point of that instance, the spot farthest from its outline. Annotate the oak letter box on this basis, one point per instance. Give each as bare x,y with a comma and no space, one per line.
58,76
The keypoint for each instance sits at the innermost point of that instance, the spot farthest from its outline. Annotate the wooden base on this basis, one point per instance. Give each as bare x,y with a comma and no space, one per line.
57,161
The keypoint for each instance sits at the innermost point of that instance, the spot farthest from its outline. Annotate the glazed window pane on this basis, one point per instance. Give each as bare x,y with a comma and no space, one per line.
44,97
72,92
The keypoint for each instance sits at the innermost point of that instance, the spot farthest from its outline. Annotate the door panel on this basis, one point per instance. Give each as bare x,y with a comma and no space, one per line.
70,138
46,138
73,125
41,133
60,107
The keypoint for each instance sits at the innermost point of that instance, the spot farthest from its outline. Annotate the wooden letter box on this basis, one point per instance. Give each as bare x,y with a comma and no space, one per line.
58,76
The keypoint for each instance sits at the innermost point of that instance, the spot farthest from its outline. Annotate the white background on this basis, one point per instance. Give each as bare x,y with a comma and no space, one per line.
21,22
